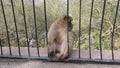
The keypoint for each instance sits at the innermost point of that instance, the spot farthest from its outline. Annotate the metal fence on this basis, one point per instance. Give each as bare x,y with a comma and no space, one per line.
100,59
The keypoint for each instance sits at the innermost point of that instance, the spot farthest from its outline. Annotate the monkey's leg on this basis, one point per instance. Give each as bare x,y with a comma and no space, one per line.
64,47
63,51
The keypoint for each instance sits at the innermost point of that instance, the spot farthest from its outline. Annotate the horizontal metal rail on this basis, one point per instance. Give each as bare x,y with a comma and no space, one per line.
71,60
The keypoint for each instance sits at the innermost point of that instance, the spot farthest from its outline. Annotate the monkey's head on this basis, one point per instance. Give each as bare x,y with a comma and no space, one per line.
66,21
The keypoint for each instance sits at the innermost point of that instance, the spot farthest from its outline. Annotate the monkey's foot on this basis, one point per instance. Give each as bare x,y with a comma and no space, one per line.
61,56
51,54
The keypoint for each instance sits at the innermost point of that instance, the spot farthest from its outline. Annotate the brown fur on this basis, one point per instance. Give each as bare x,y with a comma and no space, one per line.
57,37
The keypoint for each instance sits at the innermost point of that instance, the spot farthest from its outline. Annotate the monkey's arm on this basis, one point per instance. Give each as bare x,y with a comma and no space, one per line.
51,39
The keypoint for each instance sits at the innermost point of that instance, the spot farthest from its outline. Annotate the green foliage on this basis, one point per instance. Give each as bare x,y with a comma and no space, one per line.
56,8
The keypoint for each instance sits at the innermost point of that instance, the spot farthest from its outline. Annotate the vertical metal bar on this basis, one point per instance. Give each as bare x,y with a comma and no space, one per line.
90,29
68,23
25,26
101,28
45,21
35,27
16,28
116,13
79,28
6,26
1,47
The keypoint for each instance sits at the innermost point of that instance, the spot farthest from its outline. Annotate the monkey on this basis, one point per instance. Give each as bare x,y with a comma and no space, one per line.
57,37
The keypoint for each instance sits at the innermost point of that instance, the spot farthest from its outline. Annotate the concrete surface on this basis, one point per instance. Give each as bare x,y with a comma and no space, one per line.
21,63
26,63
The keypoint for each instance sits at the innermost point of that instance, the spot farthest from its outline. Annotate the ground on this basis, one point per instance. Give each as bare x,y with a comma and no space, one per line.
22,63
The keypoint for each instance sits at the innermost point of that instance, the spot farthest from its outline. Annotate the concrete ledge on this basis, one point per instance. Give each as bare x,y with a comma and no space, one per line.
26,63
95,54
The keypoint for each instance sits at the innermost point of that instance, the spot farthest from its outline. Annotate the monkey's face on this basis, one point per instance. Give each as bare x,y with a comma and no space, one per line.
66,21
